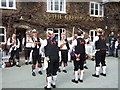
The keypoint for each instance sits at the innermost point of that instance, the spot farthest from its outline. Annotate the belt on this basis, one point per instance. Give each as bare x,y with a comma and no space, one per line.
100,49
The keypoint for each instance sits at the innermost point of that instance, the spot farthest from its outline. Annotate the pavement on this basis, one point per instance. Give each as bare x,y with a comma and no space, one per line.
14,77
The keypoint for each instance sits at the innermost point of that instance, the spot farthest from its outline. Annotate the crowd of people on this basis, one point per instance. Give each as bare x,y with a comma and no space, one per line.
55,53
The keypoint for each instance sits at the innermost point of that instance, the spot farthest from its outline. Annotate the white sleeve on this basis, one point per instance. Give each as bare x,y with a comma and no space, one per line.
18,45
43,45
59,43
23,41
95,39
8,42
74,43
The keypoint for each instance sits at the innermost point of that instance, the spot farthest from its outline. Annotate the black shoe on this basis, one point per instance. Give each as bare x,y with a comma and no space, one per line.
33,74
18,66
85,67
26,63
64,71
92,59
47,88
102,74
74,81
59,70
30,62
40,72
80,80
94,75
54,86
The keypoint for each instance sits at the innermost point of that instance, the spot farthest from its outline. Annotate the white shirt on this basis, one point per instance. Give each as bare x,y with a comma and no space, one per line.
35,39
95,39
62,42
27,40
9,43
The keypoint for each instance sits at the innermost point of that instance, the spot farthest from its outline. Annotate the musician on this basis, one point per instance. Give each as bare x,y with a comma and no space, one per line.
27,45
64,48
51,49
79,57
36,54
14,44
100,47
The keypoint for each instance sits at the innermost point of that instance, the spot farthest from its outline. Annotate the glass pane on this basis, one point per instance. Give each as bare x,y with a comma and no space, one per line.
91,33
56,5
100,7
3,3
55,31
1,30
51,5
100,12
2,39
92,12
11,3
92,5
96,6
62,5
96,12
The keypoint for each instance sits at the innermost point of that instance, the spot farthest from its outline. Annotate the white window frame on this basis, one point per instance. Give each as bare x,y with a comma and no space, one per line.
94,35
7,5
98,9
3,35
56,11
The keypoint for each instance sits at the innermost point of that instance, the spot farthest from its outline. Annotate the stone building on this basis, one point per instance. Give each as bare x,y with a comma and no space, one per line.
59,16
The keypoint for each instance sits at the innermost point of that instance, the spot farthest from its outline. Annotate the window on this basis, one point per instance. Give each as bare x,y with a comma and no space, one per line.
8,4
2,35
96,9
57,32
57,6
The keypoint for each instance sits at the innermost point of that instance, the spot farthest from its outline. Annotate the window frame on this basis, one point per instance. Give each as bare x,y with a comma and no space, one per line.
7,5
3,35
94,9
56,11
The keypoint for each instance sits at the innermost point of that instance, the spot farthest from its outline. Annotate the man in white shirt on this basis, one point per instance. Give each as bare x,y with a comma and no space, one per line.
64,48
14,44
36,54
79,57
27,45
51,49
100,47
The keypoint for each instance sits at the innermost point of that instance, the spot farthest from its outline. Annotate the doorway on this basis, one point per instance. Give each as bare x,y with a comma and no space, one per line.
20,33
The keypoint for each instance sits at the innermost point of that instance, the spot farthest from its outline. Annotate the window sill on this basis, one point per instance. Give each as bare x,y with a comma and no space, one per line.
96,15
56,12
4,8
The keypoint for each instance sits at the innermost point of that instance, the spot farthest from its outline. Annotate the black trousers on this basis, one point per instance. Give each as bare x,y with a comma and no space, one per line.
79,64
27,53
36,57
64,57
14,53
53,66
100,58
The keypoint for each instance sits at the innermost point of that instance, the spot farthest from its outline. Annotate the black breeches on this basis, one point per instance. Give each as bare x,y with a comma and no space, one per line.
13,53
64,56
53,66
79,64
36,57
100,58
27,53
